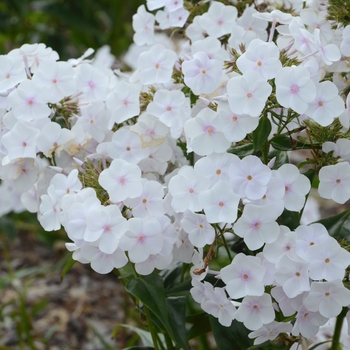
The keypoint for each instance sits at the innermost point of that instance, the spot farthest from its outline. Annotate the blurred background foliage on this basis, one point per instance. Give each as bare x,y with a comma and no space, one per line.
67,26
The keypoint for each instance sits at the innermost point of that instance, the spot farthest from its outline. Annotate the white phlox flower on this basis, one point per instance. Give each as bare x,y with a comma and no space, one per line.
327,298
260,57
143,25
123,102
341,148
235,126
156,65
255,311
127,145
56,78
270,331
185,188
219,20
294,88
106,225
200,232
335,182
204,133
142,239
92,82
150,202
12,72
218,305
216,167
220,203
249,178
247,93
29,101
122,180
258,225
296,185
202,74
244,276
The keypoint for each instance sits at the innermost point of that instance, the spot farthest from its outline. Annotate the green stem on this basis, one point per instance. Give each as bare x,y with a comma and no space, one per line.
168,341
337,330
265,152
183,271
151,328
227,248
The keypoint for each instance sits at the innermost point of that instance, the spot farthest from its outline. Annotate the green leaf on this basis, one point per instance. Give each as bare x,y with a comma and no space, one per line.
8,227
338,225
290,219
287,143
177,312
100,338
267,346
150,290
181,289
68,265
233,337
171,277
310,174
138,348
145,336
243,150
261,133
201,325
281,158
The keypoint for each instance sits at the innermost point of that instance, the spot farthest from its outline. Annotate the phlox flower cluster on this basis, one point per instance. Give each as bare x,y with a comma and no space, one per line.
140,167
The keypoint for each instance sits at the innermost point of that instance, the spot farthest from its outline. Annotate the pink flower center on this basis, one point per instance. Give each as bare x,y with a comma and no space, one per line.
141,238
249,95
54,81
191,190
168,108
221,204
294,89
122,180
234,118
209,130
91,84
259,63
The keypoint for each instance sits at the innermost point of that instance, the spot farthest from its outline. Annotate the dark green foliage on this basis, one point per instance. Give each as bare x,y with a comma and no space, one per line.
68,26
339,11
